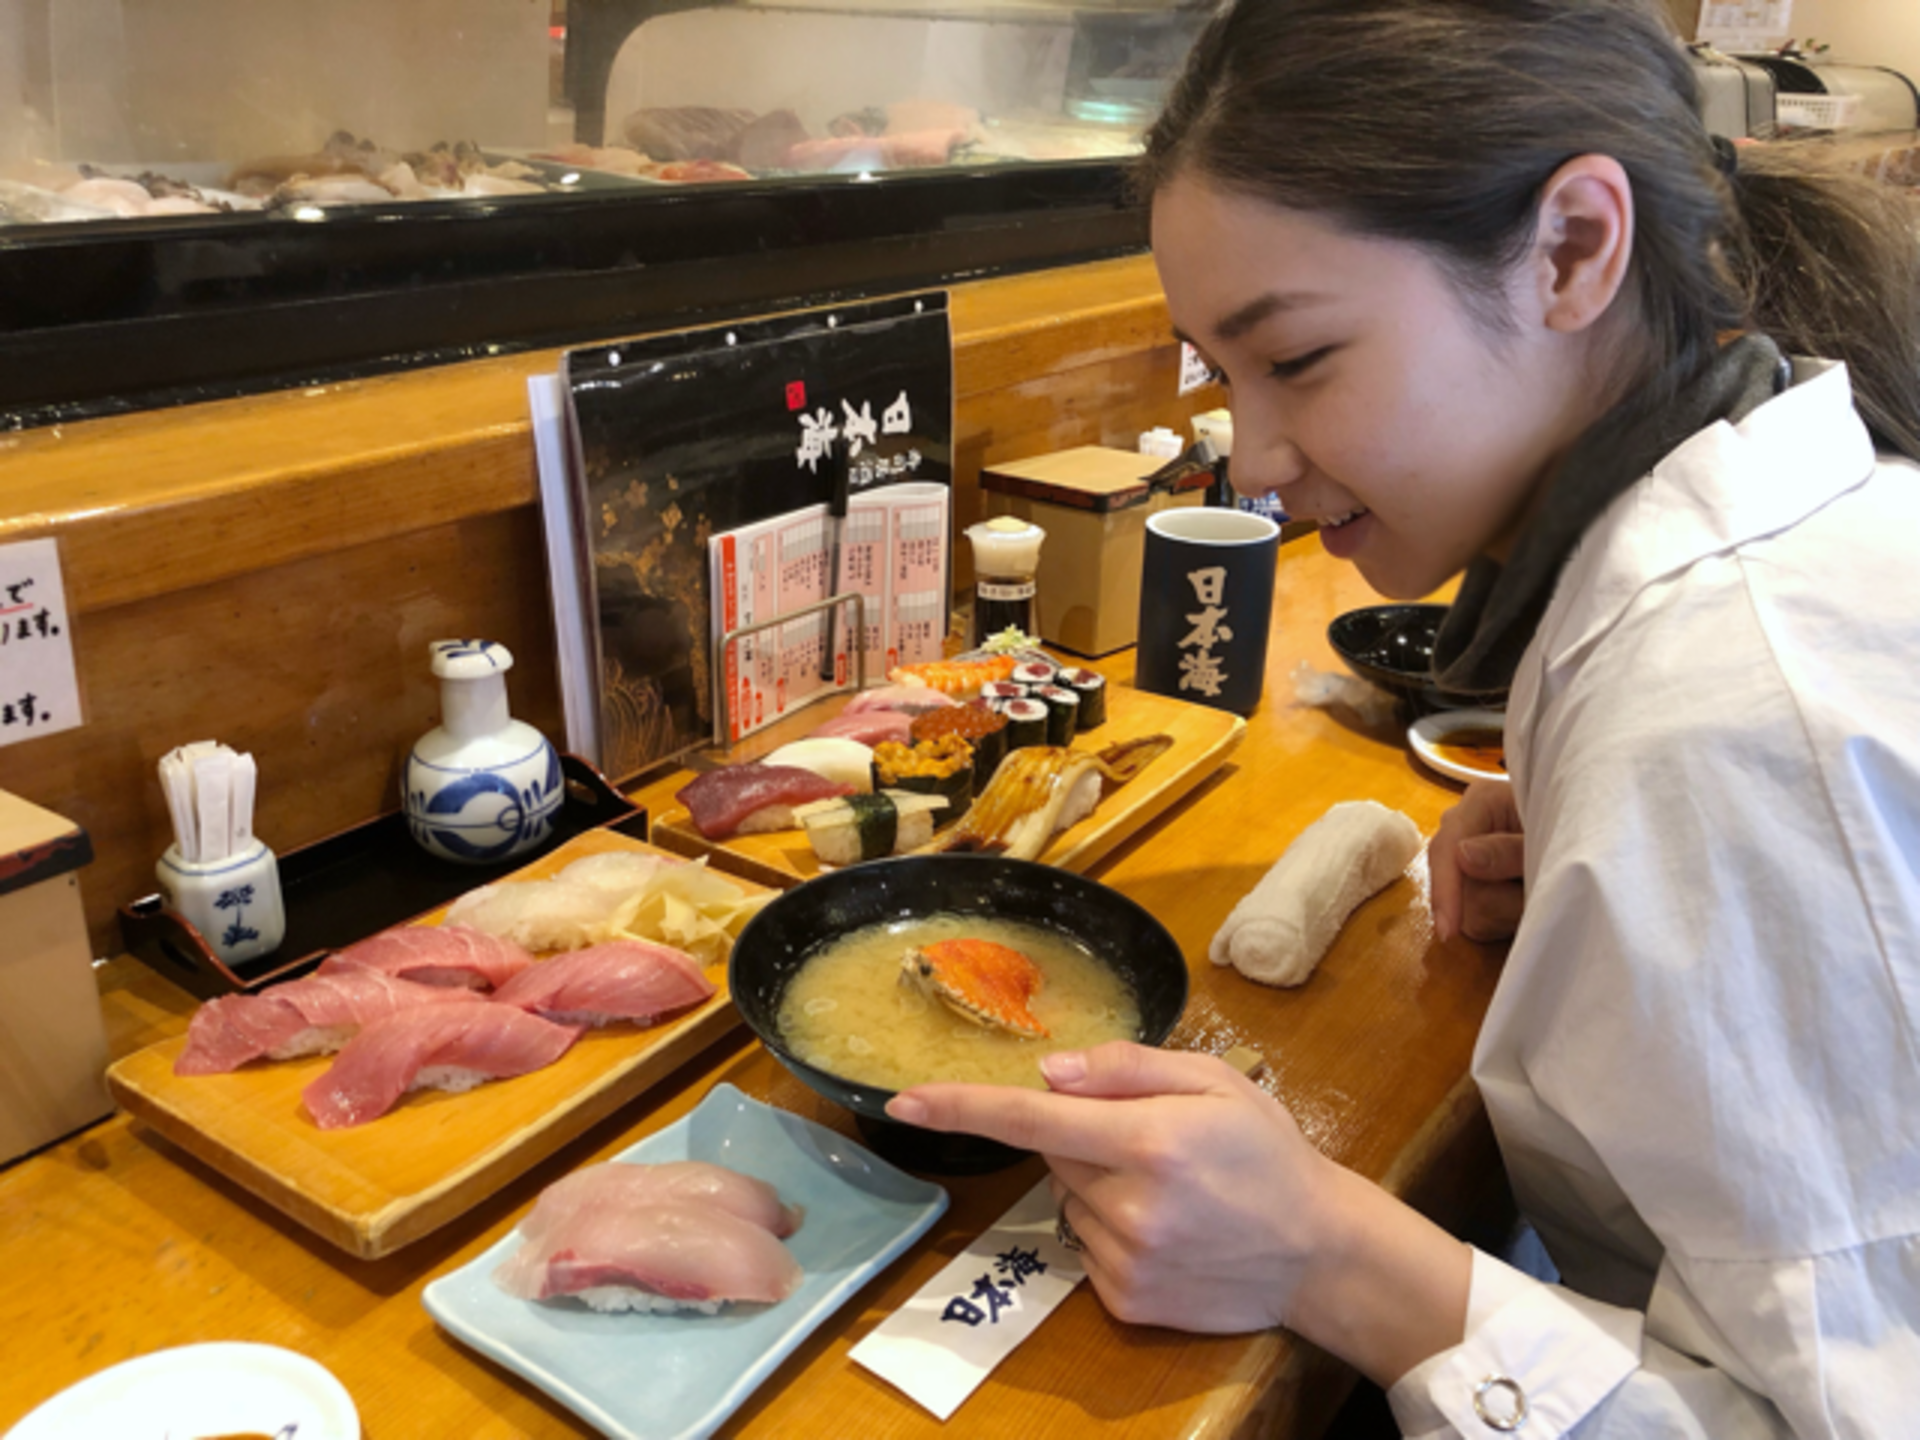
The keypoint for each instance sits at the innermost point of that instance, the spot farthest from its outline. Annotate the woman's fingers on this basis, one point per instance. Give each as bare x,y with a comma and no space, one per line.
1475,860
1077,1120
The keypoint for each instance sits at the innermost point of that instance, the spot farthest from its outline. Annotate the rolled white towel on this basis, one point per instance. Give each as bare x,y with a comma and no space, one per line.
1281,927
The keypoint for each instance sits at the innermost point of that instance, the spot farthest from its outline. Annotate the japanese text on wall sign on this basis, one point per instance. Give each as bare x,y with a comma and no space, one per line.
39,693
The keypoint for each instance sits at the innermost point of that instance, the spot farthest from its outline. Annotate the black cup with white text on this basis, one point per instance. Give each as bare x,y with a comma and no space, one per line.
1206,603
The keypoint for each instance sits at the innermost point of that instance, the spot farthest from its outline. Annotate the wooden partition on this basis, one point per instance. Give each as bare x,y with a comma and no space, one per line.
268,572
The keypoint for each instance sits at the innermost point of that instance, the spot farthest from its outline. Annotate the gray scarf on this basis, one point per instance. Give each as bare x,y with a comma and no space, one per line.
1498,607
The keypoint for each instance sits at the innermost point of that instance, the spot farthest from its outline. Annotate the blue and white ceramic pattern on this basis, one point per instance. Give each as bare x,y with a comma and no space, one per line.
482,786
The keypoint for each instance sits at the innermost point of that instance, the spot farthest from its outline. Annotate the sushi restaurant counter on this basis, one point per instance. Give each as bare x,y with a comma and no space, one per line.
115,1243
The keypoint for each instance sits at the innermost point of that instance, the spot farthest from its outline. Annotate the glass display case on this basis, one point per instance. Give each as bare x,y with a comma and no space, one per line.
206,196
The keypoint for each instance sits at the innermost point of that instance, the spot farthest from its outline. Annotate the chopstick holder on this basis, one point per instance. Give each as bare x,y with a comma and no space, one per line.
218,875
942,1343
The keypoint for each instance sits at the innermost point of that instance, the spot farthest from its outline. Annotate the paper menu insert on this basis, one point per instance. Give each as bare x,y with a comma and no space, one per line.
893,551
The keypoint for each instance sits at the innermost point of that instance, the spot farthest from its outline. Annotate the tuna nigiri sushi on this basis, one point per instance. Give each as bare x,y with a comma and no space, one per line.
619,1185
652,1257
869,727
907,699
620,980
449,1047
743,799
452,954
299,1017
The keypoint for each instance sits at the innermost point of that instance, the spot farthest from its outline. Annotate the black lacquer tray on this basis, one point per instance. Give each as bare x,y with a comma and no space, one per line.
348,886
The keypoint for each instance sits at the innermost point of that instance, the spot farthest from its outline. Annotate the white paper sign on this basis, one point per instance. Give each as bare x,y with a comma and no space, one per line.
1193,370
39,692
1737,25
944,1341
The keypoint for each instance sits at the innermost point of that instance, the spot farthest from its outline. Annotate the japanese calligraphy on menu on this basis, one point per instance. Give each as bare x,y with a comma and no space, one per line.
39,690
753,431
893,553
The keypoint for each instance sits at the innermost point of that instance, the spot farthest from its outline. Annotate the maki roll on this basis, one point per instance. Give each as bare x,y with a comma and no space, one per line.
1063,712
1091,687
1026,722
982,728
867,827
1034,673
942,766
996,691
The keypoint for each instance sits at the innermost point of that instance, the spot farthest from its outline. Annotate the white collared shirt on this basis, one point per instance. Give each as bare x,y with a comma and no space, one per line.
1703,1058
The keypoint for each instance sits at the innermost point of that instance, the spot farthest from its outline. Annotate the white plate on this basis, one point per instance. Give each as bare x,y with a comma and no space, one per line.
224,1388
640,1376
1431,730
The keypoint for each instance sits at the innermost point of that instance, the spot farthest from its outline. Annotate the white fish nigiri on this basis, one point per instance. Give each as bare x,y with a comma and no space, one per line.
619,1185
653,1257
831,757
619,980
450,1047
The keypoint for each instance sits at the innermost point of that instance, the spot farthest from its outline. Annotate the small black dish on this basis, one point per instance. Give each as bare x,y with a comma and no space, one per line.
794,925
1392,646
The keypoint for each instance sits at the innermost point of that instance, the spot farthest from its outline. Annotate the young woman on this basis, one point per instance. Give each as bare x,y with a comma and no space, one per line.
1491,300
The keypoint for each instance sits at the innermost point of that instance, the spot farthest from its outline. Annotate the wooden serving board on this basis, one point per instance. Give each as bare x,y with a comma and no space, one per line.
376,1187
1202,740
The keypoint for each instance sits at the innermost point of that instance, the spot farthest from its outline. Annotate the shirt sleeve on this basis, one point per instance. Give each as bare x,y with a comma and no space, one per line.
1841,1328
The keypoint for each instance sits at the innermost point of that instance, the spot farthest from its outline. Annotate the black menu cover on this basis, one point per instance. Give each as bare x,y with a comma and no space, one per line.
682,437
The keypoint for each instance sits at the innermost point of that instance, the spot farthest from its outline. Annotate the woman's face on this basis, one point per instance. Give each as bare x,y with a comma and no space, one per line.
1362,390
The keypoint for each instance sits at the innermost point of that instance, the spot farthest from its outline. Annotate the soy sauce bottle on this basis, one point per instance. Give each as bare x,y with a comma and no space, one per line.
1006,556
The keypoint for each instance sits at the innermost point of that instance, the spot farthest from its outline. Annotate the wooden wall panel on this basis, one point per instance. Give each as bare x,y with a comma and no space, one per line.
318,668
268,571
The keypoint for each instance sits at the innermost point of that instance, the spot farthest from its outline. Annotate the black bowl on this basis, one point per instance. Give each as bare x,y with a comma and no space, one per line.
1392,646
792,926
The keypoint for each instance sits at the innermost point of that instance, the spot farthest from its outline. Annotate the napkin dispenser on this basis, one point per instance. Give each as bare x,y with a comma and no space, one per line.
1093,502
53,1041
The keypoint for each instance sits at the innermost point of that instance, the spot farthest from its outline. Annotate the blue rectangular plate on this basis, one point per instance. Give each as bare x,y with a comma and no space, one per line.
678,1376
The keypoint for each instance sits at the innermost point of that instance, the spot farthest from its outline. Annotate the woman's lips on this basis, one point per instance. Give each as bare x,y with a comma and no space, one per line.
1343,535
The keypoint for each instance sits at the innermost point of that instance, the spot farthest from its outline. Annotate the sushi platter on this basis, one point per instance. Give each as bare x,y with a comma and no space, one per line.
1202,739
376,1187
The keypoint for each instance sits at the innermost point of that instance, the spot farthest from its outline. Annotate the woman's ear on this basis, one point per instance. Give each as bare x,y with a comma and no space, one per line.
1583,241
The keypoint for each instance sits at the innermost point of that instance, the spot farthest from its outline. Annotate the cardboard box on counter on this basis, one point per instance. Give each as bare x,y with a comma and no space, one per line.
53,1042
1093,502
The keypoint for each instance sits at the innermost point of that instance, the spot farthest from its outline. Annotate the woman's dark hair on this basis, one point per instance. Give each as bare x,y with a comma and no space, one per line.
1438,121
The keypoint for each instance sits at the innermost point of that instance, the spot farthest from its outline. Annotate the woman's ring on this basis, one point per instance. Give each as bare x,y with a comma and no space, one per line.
1064,1232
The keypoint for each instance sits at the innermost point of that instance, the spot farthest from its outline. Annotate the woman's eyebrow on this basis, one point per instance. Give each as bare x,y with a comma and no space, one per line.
1253,313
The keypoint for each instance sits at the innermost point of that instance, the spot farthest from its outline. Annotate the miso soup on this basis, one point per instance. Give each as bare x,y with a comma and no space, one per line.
846,1011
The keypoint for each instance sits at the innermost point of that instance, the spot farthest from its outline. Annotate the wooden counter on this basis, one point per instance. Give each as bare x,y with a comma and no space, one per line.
116,1244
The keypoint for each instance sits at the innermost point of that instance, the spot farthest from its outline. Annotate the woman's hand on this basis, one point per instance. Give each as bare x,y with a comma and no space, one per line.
1201,1206
1476,859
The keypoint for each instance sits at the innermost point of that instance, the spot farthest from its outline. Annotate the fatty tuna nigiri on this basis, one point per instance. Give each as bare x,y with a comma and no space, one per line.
620,980
452,955
298,1017
653,1257
450,1047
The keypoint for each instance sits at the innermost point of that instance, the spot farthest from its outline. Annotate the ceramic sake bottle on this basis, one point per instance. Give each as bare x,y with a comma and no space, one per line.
482,786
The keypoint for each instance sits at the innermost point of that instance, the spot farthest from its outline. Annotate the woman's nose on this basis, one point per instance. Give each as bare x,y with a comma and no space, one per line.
1264,459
